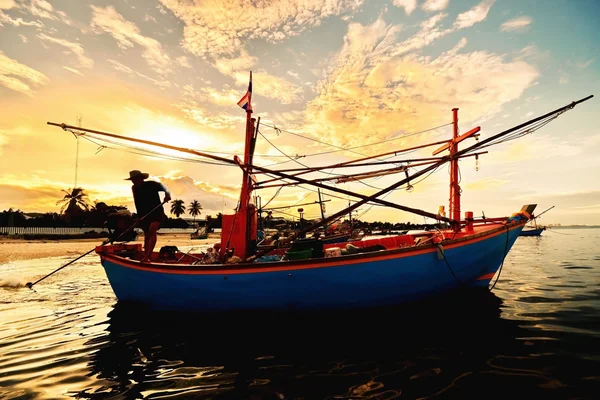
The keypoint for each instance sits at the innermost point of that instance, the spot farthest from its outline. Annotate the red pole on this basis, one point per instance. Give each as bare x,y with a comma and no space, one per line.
454,187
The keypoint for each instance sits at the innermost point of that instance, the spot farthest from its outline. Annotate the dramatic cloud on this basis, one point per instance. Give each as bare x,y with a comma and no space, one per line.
20,77
435,5
127,34
408,5
74,48
516,24
370,95
217,28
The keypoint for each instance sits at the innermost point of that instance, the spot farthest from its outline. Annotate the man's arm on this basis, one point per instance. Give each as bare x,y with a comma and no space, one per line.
163,188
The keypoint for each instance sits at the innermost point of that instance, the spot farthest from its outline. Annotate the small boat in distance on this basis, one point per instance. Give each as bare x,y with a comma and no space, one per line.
199,233
534,230
465,252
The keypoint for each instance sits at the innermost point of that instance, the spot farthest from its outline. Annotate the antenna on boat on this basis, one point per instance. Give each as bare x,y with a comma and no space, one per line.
77,151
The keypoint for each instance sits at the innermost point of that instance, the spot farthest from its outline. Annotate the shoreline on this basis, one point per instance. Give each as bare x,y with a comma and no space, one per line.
29,249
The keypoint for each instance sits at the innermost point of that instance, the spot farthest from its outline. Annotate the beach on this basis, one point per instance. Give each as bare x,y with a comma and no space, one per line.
19,249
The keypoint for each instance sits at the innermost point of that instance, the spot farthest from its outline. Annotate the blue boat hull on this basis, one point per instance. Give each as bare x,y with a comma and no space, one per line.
366,280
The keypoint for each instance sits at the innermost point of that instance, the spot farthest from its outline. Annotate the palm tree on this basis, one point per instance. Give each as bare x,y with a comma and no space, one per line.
194,209
74,202
177,208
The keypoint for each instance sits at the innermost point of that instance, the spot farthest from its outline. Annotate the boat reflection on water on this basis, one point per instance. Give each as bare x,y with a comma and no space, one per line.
415,350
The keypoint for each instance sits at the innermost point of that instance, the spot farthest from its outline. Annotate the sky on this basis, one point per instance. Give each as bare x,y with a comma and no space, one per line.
327,75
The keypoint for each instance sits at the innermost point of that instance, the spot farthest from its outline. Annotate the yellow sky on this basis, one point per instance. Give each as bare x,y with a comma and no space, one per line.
347,73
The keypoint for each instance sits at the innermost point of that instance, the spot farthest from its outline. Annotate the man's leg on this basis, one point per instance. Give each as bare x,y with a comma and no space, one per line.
146,239
151,237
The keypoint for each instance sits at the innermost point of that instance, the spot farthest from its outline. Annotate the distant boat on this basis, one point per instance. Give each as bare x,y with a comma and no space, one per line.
532,232
199,234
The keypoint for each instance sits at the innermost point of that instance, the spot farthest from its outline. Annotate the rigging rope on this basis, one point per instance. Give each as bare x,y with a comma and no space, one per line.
503,258
355,147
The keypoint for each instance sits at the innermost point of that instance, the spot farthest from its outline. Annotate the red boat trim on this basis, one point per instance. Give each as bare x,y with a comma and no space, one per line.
486,276
224,269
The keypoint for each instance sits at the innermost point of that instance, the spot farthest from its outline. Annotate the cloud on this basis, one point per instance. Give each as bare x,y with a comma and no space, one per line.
73,70
19,77
220,28
213,198
7,19
376,89
127,34
161,83
268,85
43,9
435,5
408,5
516,24
197,113
474,15
586,64
74,48
183,61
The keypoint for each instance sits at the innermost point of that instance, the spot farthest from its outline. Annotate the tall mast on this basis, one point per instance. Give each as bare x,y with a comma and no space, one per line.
245,193
454,183
452,147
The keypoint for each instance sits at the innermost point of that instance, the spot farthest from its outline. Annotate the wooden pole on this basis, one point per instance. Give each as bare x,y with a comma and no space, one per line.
322,212
454,186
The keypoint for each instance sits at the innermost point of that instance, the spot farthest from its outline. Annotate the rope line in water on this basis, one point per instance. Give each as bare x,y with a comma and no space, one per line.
441,250
30,285
503,258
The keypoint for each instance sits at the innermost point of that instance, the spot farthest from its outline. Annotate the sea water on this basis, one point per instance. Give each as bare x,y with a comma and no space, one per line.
536,335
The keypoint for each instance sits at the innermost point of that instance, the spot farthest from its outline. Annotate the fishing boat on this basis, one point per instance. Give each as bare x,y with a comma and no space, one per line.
534,230
466,252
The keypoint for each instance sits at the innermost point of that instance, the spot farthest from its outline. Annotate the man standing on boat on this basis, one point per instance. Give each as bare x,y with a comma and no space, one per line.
148,206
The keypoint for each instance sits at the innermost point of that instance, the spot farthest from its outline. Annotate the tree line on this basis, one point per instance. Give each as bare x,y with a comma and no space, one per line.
77,210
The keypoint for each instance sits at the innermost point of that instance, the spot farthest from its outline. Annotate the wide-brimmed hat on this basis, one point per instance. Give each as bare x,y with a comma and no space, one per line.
137,174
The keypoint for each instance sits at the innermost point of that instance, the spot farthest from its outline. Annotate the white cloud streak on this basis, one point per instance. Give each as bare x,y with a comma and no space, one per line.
516,24
19,77
127,34
72,47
